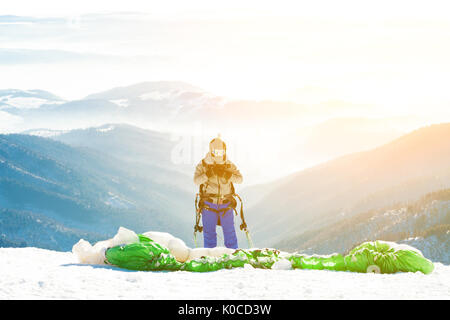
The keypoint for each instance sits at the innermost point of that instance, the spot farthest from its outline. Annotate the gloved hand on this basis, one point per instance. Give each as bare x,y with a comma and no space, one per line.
217,171
209,172
227,174
222,172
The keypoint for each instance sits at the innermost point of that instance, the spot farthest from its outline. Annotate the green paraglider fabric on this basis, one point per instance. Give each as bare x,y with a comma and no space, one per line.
388,257
376,256
331,262
144,255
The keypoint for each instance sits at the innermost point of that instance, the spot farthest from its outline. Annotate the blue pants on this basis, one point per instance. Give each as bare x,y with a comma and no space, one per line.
210,219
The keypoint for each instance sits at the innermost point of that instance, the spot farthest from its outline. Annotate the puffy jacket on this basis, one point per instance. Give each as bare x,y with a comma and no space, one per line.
218,186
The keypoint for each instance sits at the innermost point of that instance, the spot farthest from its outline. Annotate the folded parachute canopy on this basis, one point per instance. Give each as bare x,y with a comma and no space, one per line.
376,257
144,255
387,257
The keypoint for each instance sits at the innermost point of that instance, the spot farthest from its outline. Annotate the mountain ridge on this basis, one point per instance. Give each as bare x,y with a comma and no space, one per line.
82,189
424,224
313,196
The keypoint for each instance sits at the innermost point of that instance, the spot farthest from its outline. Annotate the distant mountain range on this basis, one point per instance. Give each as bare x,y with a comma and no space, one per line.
181,108
400,171
145,104
126,142
138,148
19,102
155,104
298,134
84,191
424,224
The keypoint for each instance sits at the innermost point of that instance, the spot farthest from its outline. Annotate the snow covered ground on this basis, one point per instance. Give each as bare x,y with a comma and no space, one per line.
32,273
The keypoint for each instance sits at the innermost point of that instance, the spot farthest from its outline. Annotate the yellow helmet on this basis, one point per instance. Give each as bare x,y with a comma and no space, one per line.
217,147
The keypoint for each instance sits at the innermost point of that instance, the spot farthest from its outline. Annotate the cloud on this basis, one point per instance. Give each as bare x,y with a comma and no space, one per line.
243,57
26,56
20,56
12,19
8,122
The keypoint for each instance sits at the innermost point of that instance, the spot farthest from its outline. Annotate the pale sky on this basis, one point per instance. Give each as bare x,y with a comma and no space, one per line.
388,54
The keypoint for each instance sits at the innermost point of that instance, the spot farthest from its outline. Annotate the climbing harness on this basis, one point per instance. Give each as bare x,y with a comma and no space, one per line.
202,197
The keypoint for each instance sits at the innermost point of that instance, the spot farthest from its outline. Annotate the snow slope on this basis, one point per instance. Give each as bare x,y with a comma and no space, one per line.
32,273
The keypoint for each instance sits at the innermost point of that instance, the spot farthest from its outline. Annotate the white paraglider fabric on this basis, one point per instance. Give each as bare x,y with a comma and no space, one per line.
88,254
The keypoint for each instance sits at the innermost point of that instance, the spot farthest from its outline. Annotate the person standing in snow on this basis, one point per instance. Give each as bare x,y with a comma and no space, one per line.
216,174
